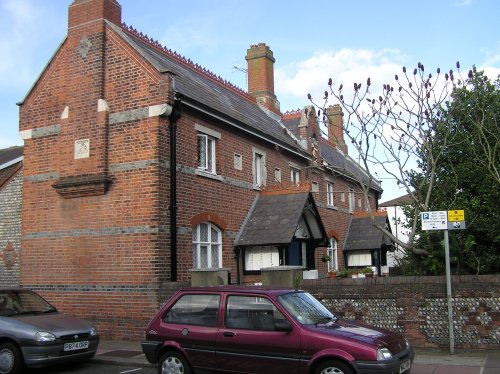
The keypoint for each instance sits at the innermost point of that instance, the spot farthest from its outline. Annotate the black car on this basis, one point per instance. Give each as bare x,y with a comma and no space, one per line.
34,334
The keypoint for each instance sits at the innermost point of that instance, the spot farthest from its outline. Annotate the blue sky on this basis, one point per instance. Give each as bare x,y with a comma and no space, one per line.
311,41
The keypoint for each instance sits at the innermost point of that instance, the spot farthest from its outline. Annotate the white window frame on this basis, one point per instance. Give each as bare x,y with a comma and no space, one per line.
198,245
261,257
352,200
314,187
331,251
209,138
277,175
329,194
359,258
209,166
342,197
295,175
259,168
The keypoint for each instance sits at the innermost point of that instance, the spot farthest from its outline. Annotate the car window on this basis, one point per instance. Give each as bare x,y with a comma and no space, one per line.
20,302
252,313
200,310
305,308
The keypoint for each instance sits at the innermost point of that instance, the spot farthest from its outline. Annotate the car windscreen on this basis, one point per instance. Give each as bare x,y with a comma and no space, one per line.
305,308
23,302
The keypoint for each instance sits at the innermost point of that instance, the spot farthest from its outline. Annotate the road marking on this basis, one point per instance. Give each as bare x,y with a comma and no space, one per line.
130,371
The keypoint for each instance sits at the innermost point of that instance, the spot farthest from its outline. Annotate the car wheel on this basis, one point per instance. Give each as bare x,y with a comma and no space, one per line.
333,367
173,363
11,361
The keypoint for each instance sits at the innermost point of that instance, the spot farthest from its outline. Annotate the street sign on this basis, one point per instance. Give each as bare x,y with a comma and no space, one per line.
456,215
456,225
437,220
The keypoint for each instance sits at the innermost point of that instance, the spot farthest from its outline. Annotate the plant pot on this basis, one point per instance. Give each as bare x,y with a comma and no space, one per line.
369,275
332,275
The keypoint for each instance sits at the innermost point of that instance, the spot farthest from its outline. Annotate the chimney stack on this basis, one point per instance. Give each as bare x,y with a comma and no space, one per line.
82,12
336,127
260,62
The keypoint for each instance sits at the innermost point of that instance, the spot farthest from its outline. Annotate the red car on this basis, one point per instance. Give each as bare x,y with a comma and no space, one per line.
266,331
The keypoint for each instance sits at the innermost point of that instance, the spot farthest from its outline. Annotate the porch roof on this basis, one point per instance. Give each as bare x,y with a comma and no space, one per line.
363,234
276,218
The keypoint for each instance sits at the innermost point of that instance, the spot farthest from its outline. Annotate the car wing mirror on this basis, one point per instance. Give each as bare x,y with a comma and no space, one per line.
282,325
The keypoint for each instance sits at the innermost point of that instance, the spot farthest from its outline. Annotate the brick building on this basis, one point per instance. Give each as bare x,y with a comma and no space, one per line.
140,166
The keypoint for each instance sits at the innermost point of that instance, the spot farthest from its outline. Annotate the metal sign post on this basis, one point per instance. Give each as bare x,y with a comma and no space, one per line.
445,220
448,291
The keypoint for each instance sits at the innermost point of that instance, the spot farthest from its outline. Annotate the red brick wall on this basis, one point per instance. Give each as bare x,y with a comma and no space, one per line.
106,257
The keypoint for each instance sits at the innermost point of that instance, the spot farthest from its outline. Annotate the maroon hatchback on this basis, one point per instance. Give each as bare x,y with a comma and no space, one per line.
266,331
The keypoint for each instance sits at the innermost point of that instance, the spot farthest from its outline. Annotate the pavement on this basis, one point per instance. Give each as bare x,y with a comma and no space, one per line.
426,362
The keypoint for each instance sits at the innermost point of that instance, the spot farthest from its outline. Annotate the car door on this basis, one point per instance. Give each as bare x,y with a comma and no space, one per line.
253,339
192,322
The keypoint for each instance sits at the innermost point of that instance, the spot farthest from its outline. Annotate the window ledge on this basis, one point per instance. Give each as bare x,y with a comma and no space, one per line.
205,174
333,207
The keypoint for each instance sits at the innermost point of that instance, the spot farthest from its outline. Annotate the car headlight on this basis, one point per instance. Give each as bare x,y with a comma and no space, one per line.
384,354
44,336
93,331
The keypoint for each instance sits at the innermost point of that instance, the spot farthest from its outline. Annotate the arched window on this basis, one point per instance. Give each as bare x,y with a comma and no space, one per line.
207,246
332,253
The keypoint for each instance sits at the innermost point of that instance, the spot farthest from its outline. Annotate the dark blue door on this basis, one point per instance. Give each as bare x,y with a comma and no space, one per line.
294,257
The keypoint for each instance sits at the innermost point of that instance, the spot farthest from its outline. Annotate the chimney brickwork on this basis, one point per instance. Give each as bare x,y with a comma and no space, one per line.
260,62
336,127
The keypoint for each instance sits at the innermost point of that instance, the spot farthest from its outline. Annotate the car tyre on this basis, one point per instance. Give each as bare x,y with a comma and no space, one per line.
173,363
11,360
333,367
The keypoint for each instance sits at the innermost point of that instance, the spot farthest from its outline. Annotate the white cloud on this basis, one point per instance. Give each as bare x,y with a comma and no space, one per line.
347,66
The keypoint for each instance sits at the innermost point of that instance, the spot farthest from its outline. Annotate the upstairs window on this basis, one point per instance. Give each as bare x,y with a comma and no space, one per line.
352,203
207,140
295,176
259,169
206,153
329,194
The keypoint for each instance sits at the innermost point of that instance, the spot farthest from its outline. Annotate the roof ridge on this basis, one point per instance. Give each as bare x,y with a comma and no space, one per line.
294,113
188,62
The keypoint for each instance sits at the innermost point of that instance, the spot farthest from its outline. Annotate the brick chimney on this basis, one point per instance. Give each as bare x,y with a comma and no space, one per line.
82,12
260,62
336,127
83,141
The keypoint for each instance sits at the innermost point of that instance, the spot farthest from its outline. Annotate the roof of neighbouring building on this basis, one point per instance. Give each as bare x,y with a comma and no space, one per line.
273,219
10,162
398,201
363,234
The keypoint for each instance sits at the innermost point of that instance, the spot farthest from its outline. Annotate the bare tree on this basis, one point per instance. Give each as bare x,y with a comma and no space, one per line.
393,131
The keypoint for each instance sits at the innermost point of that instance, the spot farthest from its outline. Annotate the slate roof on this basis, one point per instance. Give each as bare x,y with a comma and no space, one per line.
212,94
273,219
10,162
398,201
363,235
334,157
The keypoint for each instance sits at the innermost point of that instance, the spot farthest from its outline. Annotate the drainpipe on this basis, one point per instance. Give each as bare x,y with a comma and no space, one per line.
173,117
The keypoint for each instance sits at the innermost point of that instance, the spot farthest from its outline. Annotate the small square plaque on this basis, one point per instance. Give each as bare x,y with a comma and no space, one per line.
82,148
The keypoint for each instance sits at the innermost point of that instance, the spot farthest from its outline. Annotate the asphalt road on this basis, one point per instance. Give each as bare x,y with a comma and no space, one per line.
93,368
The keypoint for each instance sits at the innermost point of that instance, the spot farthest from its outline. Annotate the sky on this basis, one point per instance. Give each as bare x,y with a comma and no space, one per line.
312,41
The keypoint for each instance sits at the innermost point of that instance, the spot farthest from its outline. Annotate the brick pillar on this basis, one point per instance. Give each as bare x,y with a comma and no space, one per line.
83,141
336,127
260,62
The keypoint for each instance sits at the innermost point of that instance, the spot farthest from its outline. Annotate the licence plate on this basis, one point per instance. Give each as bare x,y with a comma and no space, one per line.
76,346
404,366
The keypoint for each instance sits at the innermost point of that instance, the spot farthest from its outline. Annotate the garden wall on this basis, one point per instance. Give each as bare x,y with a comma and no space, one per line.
417,307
